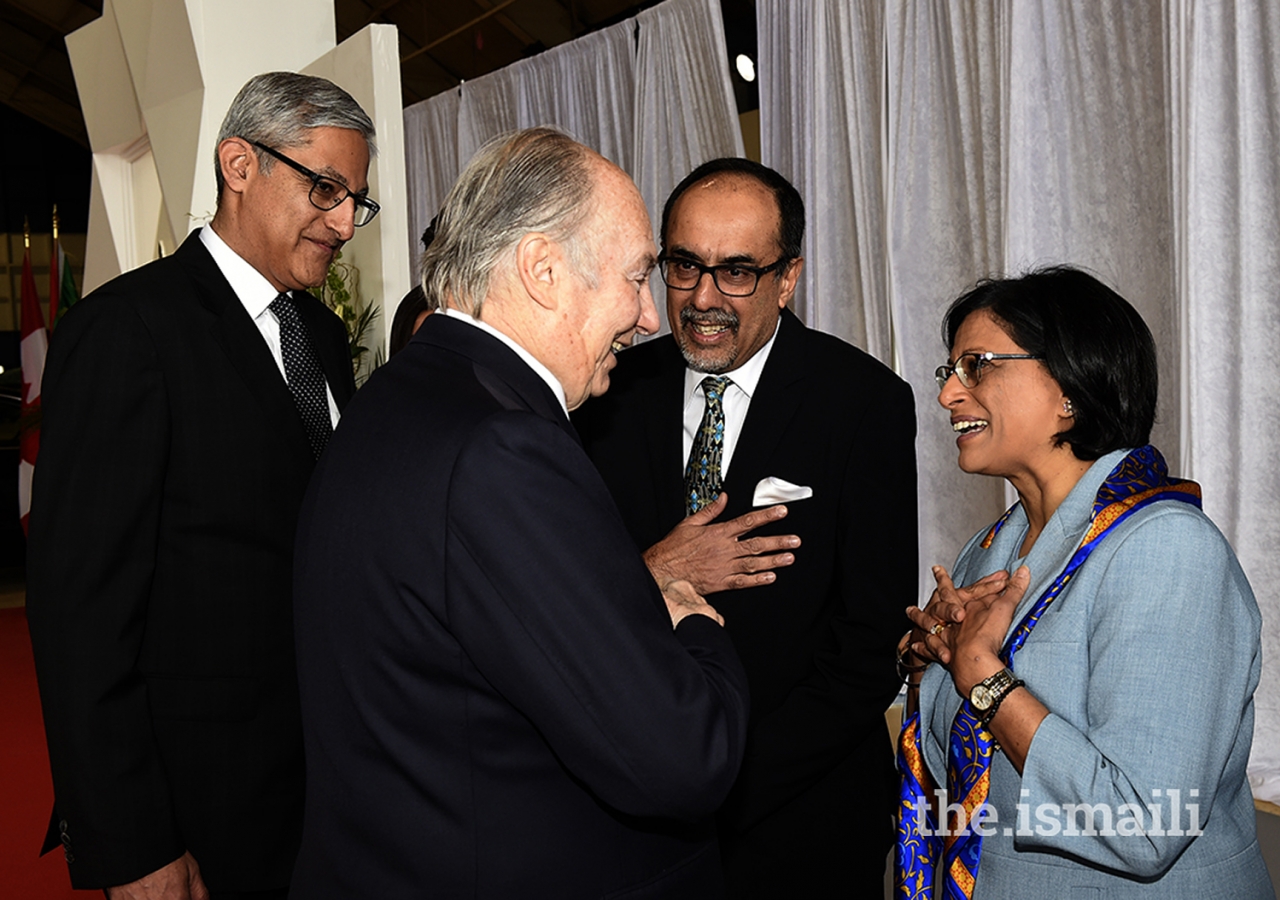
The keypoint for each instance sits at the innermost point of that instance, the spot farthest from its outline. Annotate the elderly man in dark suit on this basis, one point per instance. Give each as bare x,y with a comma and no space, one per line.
185,404
497,701
743,409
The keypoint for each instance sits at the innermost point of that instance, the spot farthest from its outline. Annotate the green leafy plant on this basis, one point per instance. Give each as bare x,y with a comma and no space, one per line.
341,293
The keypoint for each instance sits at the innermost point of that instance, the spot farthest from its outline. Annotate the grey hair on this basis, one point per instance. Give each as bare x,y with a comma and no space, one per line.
278,109
536,180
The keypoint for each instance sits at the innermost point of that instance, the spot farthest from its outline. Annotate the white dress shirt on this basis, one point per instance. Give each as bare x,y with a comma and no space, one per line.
736,402
257,294
542,371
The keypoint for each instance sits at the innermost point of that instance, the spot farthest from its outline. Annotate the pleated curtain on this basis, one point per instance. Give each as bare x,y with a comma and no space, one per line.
432,123
938,143
1225,72
652,94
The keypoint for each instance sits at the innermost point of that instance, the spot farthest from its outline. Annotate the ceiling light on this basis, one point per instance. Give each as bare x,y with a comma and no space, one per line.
746,68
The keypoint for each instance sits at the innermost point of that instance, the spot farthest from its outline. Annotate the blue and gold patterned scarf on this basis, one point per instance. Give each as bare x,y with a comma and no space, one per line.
1141,478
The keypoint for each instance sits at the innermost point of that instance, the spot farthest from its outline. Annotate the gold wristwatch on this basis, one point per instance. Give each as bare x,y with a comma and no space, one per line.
985,696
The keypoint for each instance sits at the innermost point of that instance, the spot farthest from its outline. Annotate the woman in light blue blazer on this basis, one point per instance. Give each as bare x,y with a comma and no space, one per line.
1080,728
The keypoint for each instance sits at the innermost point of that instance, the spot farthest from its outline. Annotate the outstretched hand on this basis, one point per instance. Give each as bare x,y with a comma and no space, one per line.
712,558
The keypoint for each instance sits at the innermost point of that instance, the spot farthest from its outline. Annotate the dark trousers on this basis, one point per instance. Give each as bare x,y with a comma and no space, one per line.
830,842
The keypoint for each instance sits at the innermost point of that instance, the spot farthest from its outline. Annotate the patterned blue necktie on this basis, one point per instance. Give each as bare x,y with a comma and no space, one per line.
702,473
302,372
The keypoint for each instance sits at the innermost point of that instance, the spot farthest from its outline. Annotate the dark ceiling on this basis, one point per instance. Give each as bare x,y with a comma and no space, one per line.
441,43
35,73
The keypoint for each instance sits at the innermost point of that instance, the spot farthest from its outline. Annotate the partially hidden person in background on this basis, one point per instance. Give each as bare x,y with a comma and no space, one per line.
498,699
1083,724
414,308
185,404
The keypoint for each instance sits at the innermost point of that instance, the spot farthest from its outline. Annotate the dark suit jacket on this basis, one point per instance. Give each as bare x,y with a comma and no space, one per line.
817,644
494,702
172,466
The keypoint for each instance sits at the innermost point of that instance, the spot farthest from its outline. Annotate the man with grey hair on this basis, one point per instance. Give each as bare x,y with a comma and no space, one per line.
185,405
498,699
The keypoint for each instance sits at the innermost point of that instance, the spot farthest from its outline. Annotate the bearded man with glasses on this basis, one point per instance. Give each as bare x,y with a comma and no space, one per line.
707,441
185,406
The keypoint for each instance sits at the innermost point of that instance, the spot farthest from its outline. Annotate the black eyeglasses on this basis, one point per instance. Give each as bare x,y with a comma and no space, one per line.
968,368
731,279
326,193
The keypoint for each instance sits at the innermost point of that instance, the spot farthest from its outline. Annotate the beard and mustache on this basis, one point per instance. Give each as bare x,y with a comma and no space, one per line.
712,361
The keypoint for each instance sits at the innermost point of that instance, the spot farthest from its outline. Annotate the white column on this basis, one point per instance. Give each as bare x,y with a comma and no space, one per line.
155,79
367,65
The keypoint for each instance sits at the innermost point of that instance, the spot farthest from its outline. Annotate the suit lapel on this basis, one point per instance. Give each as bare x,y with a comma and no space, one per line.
778,397
664,430
242,342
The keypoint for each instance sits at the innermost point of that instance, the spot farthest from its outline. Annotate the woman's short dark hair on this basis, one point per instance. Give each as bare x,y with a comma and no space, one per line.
1093,342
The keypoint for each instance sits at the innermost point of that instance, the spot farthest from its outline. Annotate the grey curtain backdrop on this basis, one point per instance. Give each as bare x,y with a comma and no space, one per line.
652,94
936,143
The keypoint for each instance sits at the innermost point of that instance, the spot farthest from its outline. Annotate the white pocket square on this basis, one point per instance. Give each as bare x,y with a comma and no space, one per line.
774,490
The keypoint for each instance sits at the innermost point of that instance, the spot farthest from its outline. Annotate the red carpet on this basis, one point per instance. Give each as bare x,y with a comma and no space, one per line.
26,793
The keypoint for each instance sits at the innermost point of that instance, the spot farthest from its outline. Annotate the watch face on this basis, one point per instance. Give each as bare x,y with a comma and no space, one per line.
981,697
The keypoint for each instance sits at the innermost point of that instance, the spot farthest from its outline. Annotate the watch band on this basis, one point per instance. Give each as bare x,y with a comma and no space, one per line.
984,693
1002,691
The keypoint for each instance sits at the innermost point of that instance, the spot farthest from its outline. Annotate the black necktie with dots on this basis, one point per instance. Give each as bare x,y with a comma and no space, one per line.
302,371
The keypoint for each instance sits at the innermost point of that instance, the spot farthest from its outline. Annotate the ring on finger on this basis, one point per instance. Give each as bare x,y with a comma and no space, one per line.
938,627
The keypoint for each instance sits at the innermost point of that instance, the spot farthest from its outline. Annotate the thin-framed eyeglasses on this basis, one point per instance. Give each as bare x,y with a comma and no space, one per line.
968,367
730,279
326,193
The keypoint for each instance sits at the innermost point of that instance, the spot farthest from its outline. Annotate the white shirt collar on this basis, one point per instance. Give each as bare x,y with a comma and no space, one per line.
746,377
539,369
253,289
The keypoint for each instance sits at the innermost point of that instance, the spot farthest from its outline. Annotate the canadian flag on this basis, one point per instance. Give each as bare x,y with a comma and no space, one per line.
35,344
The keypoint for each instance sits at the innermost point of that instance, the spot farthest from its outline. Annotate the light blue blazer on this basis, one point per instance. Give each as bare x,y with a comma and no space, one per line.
1147,661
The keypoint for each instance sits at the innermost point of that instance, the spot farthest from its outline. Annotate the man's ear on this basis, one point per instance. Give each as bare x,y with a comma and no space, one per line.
236,158
790,278
540,265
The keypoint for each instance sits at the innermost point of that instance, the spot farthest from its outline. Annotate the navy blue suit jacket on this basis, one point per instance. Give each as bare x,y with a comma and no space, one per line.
494,701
